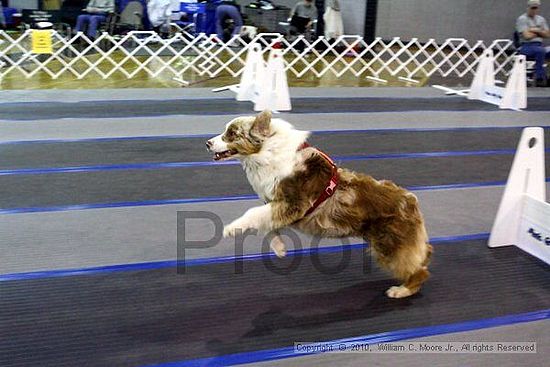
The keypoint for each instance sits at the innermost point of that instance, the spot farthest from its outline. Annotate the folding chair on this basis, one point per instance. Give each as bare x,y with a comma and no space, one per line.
129,19
195,18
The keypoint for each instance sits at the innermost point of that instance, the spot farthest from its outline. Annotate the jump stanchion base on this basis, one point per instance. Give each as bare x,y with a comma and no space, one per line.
226,87
181,81
377,79
450,91
410,80
484,86
534,230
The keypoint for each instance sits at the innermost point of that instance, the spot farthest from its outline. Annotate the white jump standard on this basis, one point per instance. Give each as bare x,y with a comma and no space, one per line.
523,217
484,88
264,84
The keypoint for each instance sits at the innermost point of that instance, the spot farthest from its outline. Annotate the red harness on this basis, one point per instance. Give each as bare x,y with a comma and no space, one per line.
332,184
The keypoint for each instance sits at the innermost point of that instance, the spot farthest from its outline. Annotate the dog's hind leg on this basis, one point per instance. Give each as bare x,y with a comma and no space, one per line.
411,267
414,281
411,285
407,260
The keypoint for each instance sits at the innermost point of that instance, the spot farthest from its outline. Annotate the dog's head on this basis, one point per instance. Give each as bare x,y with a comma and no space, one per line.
242,137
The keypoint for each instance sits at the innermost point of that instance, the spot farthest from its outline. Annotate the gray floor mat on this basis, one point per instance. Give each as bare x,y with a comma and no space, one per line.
151,150
134,108
60,189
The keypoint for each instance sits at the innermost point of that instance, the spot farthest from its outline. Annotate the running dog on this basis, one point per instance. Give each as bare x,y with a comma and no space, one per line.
303,188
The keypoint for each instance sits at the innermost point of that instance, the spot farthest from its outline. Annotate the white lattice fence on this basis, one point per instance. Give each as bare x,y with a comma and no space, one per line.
145,52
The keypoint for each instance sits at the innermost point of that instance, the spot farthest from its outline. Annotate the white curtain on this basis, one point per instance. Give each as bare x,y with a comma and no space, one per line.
334,27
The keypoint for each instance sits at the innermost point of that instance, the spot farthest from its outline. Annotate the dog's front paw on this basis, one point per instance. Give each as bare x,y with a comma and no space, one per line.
238,226
229,231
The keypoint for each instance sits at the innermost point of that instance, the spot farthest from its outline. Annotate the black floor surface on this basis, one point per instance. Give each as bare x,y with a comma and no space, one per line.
134,108
68,154
140,318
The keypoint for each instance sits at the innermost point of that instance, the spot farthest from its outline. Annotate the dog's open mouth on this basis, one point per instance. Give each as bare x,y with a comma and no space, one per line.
224,155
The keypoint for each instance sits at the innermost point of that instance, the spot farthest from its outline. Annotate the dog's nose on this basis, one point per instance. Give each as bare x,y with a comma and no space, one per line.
208,144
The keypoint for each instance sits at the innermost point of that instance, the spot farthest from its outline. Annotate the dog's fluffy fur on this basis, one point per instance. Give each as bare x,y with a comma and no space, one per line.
290,181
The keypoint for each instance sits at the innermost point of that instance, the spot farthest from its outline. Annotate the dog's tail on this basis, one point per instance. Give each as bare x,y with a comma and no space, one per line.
429,252
410,207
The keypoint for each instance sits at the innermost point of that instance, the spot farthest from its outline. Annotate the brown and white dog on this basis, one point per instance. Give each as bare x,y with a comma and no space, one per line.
291,177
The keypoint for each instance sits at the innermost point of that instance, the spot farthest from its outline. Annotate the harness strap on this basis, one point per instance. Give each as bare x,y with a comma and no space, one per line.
331,185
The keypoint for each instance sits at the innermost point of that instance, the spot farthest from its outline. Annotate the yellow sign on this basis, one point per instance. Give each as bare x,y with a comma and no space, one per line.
42,41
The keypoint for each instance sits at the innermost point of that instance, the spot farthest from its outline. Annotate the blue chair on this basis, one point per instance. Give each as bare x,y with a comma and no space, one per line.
196,14
8,17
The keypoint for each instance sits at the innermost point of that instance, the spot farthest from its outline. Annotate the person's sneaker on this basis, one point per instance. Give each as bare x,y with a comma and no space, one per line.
233,43
541,83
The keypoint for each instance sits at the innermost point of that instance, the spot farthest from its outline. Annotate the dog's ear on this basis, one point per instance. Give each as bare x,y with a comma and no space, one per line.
261,127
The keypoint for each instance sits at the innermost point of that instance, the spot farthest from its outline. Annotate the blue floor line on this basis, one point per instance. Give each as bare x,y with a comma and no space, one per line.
385,337
457,186
113,167
210,260
106,139
125,204
315,132
171,165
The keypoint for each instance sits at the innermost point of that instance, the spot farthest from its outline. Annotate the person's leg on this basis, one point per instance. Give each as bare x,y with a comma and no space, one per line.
95,21
221,14
237,20
81,22
538,53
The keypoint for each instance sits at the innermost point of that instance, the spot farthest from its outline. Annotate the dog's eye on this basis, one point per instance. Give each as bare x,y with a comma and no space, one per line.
230,135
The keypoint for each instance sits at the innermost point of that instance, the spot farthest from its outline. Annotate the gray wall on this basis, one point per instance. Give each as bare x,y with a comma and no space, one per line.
353,13
441,19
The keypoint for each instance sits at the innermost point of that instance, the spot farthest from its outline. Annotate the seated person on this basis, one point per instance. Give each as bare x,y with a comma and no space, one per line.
96,13
532,28
145,23
159,15
228,9
302,17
